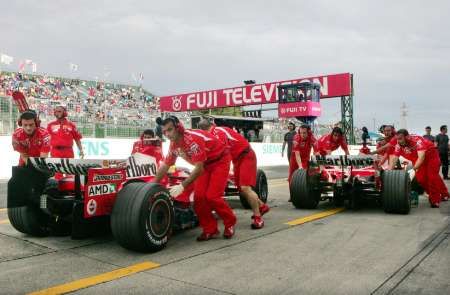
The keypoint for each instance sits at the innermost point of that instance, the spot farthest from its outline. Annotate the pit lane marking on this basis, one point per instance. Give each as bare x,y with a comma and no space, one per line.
97,279
4,221
316,216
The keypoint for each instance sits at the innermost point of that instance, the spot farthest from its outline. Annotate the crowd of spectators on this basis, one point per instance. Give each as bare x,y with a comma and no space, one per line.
88,100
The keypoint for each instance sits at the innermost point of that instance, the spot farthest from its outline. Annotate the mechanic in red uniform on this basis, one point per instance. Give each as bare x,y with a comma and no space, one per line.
29,139
62,134
149,145
384,148
331,142
211,160
425,158
244,167
303,142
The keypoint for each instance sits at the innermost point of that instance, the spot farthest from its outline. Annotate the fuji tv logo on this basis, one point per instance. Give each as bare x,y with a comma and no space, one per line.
176,103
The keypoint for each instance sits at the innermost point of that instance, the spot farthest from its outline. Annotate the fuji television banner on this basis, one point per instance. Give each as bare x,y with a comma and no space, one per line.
335,85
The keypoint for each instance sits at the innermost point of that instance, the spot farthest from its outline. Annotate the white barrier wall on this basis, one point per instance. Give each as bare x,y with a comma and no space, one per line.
268,154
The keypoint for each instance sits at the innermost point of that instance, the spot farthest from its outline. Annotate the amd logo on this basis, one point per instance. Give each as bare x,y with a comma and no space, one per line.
101,189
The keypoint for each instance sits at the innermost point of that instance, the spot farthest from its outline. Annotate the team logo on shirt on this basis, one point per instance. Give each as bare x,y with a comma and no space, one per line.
194,149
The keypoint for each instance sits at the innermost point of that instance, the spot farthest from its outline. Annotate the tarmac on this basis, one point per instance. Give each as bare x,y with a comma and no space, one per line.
328,251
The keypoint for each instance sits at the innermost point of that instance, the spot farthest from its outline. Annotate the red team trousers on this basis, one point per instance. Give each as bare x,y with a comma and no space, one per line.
429,178
208,195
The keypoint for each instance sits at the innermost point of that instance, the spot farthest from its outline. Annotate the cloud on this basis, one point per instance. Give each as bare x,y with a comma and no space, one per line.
397,50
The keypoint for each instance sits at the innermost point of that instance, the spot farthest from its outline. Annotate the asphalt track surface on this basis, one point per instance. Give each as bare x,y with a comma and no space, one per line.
328,251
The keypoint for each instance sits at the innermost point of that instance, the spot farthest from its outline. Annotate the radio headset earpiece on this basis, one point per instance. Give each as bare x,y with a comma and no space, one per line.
29,113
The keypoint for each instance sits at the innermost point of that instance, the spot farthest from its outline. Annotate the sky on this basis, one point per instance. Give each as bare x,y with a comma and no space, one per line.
398,51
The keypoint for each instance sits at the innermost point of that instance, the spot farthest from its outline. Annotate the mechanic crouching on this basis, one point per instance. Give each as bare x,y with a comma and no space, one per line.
331,142
149,145
30,140
304,141
244,167
211,160
426,163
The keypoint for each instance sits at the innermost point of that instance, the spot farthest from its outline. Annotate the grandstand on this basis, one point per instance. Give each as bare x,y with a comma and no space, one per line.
100,109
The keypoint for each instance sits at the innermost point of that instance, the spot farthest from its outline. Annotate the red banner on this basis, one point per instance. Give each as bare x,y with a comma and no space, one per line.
299,109
331,86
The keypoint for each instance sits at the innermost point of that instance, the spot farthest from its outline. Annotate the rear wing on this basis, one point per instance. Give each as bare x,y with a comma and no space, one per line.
137,165
344,160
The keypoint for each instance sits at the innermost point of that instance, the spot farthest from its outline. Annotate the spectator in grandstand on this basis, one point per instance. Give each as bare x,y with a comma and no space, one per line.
288,139
211,160
443,147
30,140
428,134
244,165
425,158
331,142
62,134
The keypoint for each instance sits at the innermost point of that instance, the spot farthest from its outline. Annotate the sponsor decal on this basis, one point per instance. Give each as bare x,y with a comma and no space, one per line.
140,165
101,189
176,103
67,166
91,207
344,160
111,177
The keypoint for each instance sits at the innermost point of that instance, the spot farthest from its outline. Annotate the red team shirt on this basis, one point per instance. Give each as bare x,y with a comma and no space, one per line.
32,145
236,142
303,145
325,143
414,144
148,149
195,146
63,133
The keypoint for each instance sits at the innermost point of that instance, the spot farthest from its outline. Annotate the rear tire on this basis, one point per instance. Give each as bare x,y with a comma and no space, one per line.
261,189
396,192
29,220
142,217
303,193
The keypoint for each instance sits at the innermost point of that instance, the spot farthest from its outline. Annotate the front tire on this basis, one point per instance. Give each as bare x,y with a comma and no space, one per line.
142,217
303,193
396,192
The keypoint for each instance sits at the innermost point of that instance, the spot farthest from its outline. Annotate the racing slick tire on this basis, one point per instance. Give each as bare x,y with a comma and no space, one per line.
261,189
142,217
303,195
29,220
396,191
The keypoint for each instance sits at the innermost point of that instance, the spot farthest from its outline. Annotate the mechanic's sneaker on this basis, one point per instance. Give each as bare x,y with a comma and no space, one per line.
258,222
445,198
228,232
434,205
263,209
205,236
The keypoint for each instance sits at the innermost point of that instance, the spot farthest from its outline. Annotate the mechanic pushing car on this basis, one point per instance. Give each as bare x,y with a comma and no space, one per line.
63,133
304,142
244,167
383,149
331,142
149,145
30,140
425,158
211,159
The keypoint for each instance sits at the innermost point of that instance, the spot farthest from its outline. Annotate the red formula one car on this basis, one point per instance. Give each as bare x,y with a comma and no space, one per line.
350,179
96,194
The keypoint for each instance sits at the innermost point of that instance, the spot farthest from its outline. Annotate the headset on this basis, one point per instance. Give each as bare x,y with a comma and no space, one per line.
33,115
64,110
176,123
